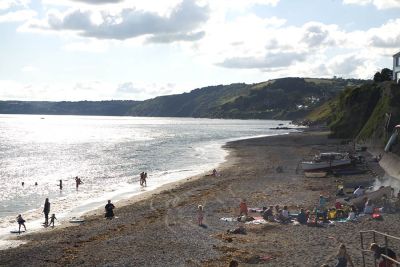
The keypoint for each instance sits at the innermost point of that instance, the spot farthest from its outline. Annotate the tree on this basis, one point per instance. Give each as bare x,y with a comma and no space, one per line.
385,75
378,77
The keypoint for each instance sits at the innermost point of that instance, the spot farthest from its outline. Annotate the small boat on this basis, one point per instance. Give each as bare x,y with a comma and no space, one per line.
318,174
326,161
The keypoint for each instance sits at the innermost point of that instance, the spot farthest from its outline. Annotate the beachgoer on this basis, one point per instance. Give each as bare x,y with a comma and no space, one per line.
268,214
46,211
141,178
109,210
378,251
78,182
369,207
145,179
343,258
36,183
358,192
20,221
200,214
322,202
60,185
214,173
285,213
243,208
52,218
302,217
352,213
23,183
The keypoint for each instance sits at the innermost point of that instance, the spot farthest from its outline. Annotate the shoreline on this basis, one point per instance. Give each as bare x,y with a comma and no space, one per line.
161,227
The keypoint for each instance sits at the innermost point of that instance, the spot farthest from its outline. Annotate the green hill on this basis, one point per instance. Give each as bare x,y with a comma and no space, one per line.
366,113
286,98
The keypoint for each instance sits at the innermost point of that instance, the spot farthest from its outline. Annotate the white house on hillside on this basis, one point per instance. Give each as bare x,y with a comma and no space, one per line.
396,67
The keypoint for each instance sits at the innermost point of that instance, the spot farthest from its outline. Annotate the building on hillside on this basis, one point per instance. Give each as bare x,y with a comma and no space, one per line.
396,67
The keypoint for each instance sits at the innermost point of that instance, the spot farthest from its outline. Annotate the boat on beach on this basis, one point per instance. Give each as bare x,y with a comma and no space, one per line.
326,161
315,174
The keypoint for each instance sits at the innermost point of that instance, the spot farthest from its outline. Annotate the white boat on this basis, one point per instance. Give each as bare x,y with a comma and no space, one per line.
326,161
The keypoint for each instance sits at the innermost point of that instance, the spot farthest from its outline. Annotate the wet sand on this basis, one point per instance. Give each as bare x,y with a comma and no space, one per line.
160,228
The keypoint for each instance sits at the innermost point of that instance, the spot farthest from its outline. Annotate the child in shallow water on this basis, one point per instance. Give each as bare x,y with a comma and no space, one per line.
52,218
200,214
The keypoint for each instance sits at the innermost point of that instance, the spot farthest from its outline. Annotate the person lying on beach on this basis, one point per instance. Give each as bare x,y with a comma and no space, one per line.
243,210
239,230
20,221
343,258
379,251
109,210
52,218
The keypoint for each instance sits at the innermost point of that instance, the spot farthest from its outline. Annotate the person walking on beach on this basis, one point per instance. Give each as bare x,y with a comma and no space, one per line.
243,210
343,258
141,178
52,218
109,210
46,211
20,221
200,215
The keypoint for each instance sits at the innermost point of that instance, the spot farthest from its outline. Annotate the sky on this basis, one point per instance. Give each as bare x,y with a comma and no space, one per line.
138,49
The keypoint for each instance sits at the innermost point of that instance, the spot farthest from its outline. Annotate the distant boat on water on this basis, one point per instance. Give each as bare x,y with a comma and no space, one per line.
326,161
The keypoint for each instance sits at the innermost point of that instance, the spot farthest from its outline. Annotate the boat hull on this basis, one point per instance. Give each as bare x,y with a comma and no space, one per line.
324,165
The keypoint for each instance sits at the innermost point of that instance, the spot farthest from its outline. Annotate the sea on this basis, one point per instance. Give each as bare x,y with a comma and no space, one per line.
108,154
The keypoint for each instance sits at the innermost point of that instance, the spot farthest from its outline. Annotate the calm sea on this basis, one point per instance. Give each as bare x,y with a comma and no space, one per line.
107,153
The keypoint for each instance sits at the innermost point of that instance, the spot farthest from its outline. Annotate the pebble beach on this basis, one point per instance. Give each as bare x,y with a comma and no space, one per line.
160,228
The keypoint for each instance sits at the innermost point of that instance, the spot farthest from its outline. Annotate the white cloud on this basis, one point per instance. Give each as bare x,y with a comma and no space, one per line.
379,4
7,4
16,16
85,90
183,23
91,46
29,68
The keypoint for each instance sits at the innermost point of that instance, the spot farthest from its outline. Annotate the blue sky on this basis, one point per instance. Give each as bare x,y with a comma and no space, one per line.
133,49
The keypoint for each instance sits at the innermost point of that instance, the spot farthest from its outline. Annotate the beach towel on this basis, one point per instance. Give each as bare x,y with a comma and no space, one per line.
259,221
229,219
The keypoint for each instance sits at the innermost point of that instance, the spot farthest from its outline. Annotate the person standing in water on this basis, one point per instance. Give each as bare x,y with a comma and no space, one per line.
20,221
60,185
46,211
52,218
109,210
145,179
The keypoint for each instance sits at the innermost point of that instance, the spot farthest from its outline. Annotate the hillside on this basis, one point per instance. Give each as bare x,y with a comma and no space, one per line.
287,98
366,113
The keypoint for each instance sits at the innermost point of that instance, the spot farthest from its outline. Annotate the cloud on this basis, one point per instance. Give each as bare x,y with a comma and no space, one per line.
99,2
16,16
7,4
269,61
316,35
182,23
379,4
386,36
29,68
